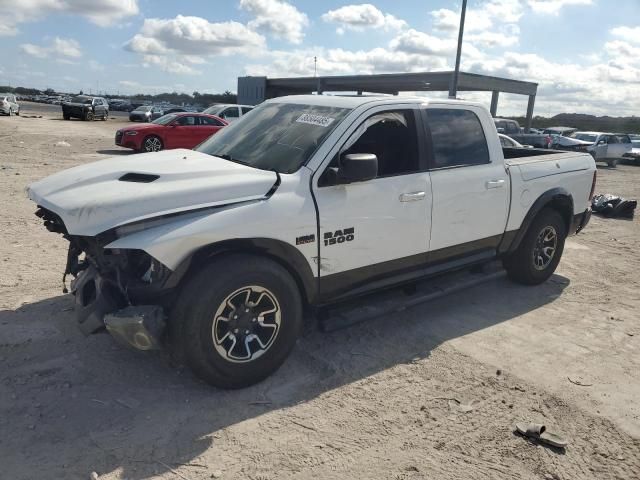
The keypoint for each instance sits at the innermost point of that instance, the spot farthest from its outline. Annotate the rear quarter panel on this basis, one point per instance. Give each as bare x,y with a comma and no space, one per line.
531,178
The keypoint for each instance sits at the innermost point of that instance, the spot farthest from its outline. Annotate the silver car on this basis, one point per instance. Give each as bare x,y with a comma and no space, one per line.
607,147
228,111
9,104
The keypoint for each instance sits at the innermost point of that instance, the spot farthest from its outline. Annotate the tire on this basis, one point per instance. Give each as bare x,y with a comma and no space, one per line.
208,343
66,117
10,112
525,265
612,163
18,112
152,143
88,116
105,116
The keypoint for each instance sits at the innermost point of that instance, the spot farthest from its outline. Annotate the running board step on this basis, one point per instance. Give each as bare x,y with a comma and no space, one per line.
393,301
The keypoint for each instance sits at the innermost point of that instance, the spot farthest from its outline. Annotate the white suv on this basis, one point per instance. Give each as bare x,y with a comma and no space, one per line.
9,104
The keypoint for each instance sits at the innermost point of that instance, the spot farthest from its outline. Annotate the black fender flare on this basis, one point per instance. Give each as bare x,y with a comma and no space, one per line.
559,197
282,252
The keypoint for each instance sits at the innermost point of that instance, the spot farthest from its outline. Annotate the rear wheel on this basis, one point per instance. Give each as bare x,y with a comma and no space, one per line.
237,320
66,117
152,143
538,255
612,163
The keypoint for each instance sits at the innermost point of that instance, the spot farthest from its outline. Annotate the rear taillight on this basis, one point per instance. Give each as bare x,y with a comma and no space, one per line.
593,185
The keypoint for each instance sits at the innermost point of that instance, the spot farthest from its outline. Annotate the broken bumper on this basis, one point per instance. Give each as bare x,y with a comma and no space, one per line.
99,303
580,221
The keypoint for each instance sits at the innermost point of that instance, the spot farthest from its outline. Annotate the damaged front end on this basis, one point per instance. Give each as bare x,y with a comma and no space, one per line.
121,290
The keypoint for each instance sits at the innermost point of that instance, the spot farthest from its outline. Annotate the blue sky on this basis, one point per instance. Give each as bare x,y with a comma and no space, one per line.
585,54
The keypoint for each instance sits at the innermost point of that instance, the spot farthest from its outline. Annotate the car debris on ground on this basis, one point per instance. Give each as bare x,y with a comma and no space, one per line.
613,206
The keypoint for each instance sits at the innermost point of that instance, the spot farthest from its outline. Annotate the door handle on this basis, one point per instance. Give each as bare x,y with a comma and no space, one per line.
494,184
412,197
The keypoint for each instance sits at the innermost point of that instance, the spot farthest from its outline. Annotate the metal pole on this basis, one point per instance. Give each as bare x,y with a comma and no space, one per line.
453,89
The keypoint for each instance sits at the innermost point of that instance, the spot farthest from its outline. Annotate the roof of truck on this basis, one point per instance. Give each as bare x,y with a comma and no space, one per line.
343,101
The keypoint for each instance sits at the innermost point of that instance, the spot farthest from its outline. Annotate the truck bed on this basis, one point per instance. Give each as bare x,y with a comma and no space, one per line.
535,171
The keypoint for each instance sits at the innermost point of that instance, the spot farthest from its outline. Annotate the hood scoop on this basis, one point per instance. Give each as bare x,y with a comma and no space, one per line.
138,177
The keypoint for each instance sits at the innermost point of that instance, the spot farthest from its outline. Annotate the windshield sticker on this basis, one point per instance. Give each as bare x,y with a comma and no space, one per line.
318,120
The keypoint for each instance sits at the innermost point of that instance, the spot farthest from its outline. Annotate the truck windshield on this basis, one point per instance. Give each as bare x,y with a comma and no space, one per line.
275,136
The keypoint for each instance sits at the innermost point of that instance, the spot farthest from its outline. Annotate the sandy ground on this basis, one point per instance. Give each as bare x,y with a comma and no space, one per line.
416,395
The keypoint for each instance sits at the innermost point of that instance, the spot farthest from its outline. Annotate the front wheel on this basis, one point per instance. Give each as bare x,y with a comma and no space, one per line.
11,112
237,320
538,255
613,163
152,144
88,116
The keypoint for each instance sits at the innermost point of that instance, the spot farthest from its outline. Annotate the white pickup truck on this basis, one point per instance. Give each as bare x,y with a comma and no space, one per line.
304,202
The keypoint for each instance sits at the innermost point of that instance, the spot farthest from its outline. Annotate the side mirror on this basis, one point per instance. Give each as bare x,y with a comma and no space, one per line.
500,130
602,142
358,167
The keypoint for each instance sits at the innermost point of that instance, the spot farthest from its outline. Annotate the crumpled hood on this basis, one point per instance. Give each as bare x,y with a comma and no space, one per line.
567,141
91,198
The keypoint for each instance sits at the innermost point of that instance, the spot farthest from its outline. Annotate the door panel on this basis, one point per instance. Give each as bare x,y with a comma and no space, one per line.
470,184
470,204
373,224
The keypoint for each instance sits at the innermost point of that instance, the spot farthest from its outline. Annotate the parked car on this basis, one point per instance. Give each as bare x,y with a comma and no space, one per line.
512,129
508,142
86,108
145,113
563,131
174,110
174,130
604,147
227,111
309,201
9,104
634,154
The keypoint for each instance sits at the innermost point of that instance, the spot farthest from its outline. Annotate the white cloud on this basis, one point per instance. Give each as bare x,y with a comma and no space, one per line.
413,41
631,34
168,64
62,48
193,36
553,7
276,17
449,21
360,17
100,12
492,23
493,39
172,44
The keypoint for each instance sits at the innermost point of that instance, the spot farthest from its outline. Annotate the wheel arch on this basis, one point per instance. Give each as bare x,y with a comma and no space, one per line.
284,254
558,199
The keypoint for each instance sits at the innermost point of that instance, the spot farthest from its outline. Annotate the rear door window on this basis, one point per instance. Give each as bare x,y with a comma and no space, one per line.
231,112
210,122
512,127
246,109
457,138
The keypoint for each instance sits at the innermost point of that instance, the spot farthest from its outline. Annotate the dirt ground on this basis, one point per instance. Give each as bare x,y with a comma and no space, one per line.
432,392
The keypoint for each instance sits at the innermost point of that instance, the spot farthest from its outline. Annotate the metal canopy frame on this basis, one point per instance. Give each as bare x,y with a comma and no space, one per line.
388,83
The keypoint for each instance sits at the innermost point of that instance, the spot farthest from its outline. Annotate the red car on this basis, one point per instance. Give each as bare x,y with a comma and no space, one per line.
175,130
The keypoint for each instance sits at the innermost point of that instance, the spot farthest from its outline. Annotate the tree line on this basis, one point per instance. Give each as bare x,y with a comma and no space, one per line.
196,98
